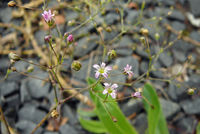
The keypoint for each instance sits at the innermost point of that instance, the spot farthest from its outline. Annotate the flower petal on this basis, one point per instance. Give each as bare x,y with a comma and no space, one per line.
113,94
108,68
114,86
106,84
105,75
105,91
97,74
96,66
103,65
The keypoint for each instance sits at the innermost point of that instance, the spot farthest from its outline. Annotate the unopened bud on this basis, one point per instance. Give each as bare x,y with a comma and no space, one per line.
190,91
54,114
112,54
66,34
157,36
108,29
13,69
142,39
70,38
14,56
144,31
71,22
99,29
11,3
30,68
47,38
76,65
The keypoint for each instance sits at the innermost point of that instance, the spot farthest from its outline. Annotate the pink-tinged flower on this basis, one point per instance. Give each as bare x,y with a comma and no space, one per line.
102,70
70,38
48,16
110,89
137,95
127,70
47,38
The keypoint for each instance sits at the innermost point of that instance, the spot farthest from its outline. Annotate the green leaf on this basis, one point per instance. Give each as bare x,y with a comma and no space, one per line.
106,110
88,113
93,126
198,128
156,120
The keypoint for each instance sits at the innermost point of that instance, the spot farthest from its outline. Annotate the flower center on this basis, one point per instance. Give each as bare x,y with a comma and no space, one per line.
110,90
101,70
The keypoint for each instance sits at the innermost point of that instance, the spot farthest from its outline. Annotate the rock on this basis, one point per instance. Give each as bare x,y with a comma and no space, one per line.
31,113
169,108
24,93
111,18
144,66
140,123
51,95
108,36
187,125
125,41
25,127
194,7
4,64
132,106
132,16
71,15
21,66
176,15
178,26
39,36
7,88
195,35
191,106
121,63
167,2
177,93
51,133
37,88
194,81
13,101
66,128
165,59
181,45
6,14
179,55
124,51
85,45
70,114
141,53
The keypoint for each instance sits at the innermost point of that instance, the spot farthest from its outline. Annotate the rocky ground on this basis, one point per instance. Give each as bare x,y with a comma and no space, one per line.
25,102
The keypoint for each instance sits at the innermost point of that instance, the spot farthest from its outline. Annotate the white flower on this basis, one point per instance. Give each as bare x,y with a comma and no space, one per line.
127,70
102,70
110,89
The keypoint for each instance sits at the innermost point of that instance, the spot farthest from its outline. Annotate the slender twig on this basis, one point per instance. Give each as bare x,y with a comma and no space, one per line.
4,120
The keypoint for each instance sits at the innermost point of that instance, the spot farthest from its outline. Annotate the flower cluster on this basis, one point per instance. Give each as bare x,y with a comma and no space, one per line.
110,89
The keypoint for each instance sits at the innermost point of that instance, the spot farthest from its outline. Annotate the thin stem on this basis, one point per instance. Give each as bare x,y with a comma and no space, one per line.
4,120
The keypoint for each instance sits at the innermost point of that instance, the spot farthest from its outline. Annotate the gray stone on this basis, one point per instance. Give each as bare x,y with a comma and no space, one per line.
31,113
51,133
187,125
182,45
142,53
178,26
169,108
67,129
25,127
157,74
70,114
194,7
124,51
39,36
168,2
7,88
85,45
37,88
24,94
194,81
140,123
111,18
191,106
176,93
179,55
132,17
176,15
132,106
165,59
195,35
71,15
121,63
21,66
144,66
4,63
6,14
13,101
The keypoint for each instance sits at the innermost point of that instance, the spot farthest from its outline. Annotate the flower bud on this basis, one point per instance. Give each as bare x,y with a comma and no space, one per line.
76,65
14,56
144,31
11,3
71,22
47,38
70,38
99,29
30,68
157,36
112,54
190,91
142,39
54,114
13,69
108,29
